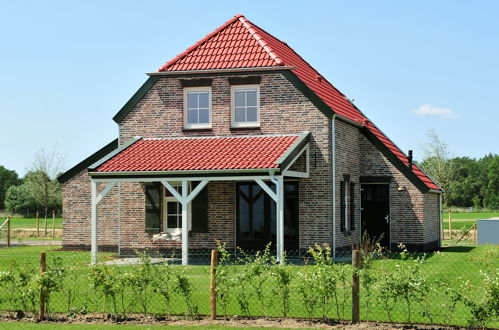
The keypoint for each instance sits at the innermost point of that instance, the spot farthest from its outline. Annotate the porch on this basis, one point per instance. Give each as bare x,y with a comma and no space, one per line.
264,170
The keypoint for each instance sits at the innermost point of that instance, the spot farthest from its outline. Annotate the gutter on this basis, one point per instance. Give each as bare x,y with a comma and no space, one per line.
333,171
193,172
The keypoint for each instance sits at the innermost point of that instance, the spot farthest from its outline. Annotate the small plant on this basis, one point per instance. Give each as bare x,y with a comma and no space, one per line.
52,280
223,277
258,272
184,289
164,284
282,289
140,281
104,280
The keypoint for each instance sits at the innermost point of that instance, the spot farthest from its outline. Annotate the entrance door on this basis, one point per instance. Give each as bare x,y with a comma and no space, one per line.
256,217
376,212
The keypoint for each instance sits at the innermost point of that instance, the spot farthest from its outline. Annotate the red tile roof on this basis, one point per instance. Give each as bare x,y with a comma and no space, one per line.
190,154
241,44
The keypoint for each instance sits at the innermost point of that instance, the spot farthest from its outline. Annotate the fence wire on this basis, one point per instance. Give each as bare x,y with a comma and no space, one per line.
458,286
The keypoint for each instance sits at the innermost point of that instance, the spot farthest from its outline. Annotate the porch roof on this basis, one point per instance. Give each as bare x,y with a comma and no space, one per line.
231,153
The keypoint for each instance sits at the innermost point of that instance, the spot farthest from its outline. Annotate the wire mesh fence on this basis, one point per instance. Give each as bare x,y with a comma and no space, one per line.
457,286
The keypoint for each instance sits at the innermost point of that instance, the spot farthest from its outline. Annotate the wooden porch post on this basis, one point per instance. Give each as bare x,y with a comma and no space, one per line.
185,223
93,248
280,218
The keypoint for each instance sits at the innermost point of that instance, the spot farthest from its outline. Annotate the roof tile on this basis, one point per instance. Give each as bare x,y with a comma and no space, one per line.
182,154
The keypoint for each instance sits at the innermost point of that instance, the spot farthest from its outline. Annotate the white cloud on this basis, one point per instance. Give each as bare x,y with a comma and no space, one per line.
431,110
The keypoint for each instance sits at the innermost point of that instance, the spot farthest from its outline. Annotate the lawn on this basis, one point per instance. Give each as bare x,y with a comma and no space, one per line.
457,225
31,223
470,215
454,265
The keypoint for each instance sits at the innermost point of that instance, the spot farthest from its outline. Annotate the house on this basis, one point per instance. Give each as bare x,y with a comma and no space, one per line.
239,139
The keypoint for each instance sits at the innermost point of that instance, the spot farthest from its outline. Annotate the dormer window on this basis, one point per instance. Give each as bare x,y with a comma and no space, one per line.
197,107
245,105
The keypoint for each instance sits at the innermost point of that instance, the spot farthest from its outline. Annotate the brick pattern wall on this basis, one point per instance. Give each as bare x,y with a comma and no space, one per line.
347,162
412,220
283,110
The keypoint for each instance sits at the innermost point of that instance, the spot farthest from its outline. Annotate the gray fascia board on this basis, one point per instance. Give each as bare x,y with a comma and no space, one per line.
302,139
114,153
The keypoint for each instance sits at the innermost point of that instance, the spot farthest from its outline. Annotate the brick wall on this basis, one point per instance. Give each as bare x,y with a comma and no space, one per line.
412,213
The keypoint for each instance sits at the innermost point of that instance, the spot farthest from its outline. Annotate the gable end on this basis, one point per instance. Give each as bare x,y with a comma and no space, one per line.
135,98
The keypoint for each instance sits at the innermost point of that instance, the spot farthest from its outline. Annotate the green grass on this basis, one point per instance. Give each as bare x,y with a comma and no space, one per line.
453,264
458,224
470,215
31,223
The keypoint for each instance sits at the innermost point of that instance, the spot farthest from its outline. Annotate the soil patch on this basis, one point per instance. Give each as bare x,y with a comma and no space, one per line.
235,322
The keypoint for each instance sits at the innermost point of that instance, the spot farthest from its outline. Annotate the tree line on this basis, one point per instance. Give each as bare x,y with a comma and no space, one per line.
38,190
468,182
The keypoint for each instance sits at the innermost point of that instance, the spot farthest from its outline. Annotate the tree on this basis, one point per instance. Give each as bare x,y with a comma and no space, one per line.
41,179
8,178
19,199
491,190
437,161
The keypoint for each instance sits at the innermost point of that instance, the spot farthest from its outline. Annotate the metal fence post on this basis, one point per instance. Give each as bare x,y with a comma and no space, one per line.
356,263
213,293
43,267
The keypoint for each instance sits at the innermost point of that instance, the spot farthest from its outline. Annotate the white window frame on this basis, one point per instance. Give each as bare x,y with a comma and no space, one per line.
233,89
196,89
167,199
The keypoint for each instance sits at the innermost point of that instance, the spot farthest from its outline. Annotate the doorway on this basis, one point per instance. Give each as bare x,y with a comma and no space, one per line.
375,215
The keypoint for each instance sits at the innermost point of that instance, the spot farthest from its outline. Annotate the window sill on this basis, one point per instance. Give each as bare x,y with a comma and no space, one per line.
245,128
200,129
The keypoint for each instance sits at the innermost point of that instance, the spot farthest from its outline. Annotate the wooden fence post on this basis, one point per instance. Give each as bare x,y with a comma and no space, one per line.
474,234
450,226
357,264
37,224
8,231
45,224
43,268
53,224
213,293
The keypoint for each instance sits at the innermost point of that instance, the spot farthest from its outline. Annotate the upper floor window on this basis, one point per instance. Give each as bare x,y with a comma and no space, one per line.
245,105
197,107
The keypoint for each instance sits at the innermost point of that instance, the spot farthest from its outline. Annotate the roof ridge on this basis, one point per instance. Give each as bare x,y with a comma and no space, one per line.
200,42
249,26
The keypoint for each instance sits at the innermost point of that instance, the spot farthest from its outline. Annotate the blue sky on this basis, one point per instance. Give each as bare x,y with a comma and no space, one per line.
67,67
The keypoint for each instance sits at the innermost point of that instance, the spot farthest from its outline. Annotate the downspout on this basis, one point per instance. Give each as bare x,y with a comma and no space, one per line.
119,218
333,171
441,219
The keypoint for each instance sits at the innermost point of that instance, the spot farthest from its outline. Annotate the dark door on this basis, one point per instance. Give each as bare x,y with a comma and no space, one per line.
376,212
256,216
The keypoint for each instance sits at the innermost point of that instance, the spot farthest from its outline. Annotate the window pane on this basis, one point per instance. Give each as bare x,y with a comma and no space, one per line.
204,116
204,100
192,116
251,98
239,99
172,208
172,221
251,114
192,100
240,118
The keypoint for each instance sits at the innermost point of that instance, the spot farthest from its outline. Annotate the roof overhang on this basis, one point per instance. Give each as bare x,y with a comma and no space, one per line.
283,161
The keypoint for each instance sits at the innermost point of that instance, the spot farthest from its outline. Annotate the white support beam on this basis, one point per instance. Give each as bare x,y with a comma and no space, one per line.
93,248
280,218
185,223
267,189
172,190
197,190
296,174
104,192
